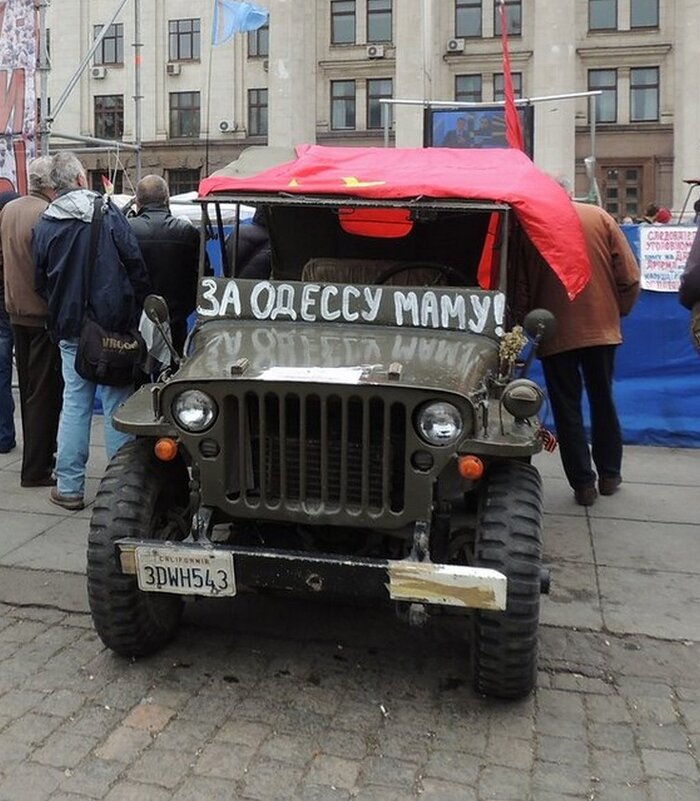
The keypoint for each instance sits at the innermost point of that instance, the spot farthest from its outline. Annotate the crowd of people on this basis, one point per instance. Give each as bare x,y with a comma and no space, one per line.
51,280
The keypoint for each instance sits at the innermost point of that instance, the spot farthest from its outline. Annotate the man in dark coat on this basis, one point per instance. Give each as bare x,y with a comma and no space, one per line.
170,248
37,356
118,286
250,252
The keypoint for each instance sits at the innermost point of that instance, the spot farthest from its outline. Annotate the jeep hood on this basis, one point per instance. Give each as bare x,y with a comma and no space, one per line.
444,361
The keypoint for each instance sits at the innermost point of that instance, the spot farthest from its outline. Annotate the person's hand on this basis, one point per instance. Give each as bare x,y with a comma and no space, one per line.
695,326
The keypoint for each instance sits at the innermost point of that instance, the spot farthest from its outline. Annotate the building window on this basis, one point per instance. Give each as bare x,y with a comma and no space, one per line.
622,190
498,90
259,41
184,115
468,18
257,112
644,14
514,11
109,116
379,21
111,49
605,103
468,88
183,180
602,15
376,89
184,40
342,105
342,21
644,94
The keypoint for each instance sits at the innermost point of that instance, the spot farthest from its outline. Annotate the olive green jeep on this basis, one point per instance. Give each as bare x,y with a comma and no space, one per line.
358,423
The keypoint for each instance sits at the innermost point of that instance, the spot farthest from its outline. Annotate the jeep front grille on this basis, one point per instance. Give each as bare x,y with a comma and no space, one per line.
322,453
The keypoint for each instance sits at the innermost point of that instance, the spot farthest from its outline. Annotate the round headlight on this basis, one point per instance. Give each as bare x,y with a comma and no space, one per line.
439,423
522,398
194,410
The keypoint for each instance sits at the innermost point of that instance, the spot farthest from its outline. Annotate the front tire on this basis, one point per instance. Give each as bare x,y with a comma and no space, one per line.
139,497
508,539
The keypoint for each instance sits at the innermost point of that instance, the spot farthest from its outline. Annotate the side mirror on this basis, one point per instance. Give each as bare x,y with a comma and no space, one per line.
540,324
156,309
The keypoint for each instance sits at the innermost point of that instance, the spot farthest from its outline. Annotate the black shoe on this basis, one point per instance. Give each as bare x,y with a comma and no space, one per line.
609,485
49,481
585,496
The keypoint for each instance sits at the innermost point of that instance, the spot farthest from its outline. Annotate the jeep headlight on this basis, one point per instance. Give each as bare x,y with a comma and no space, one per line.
194,410
439,423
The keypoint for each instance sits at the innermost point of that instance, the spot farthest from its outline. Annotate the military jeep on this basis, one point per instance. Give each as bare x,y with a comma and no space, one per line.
357,423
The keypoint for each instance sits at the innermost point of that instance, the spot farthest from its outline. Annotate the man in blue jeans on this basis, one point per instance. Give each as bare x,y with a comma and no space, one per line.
118,286
7,404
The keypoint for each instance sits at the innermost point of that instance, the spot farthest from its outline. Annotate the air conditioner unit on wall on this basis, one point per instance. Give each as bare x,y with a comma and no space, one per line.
375,51
454,46
98,73
173,68
227,126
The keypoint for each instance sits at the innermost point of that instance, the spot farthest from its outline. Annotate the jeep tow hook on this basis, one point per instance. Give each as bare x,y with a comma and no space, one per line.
545,581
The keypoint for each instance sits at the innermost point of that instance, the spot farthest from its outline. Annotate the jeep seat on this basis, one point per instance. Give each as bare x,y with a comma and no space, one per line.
366,272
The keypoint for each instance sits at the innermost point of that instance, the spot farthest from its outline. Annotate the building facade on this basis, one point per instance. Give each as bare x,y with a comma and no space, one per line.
318,71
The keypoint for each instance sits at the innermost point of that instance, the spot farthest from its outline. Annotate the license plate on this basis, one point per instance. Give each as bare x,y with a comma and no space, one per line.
184,572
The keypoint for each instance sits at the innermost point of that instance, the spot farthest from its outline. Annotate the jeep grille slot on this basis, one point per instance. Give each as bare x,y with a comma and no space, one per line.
325,453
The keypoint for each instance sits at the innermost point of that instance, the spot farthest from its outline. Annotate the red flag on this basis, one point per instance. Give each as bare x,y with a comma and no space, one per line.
514,128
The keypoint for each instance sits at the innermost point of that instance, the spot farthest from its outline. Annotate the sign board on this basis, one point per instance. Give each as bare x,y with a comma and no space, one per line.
663,252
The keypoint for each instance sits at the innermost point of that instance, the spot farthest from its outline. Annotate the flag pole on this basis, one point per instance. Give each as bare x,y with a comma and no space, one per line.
514,128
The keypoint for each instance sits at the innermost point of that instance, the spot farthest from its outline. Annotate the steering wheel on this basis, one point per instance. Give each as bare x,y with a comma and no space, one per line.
453,276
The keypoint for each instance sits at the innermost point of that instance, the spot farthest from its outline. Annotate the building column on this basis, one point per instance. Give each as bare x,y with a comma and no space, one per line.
415,47
686,109
292,73
553,27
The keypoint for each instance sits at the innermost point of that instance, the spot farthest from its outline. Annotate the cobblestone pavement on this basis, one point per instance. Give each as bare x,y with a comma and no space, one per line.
293,700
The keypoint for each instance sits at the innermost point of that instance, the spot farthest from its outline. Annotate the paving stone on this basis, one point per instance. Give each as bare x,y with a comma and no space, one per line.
199,788
511,752
310,792
497,783
64,750
561,750
92,777
690,712
332,771
569,779
581,684
124,744
452,766
436,790
612,736
131,791
164,768
61,703
669,765
344,743
391,772
268,780
664,790
14,703
615,767
672,737
607,710
29,782
149,717
608,791
222,761
32,728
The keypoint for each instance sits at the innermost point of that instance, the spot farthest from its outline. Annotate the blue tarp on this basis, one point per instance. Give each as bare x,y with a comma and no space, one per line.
657,375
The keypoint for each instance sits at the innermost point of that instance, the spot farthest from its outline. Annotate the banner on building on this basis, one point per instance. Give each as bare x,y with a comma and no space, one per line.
18,106
663,252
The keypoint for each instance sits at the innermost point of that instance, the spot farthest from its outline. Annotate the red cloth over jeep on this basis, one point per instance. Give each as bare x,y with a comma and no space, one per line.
506,175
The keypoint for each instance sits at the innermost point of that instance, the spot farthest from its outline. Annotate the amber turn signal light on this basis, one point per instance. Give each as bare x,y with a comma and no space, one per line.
470,467
165,449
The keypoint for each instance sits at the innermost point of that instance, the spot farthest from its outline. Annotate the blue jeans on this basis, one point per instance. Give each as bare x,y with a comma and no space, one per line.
7,404
76,417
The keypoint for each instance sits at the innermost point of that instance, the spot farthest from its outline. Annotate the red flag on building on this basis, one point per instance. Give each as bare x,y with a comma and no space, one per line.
514,128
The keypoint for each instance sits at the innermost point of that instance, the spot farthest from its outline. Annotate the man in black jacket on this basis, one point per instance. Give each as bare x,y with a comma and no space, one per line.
170,248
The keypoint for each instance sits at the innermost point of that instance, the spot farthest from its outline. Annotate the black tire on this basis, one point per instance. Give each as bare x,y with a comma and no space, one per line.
508,539
143,497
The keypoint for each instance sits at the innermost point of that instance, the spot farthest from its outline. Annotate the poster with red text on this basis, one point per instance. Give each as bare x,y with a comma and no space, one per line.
18,55
663,252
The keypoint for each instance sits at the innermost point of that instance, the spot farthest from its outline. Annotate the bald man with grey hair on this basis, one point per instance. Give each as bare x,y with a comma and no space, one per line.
170,248
37,357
